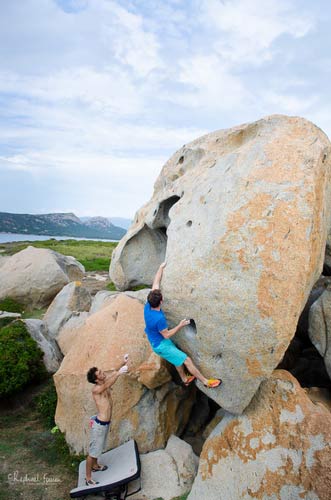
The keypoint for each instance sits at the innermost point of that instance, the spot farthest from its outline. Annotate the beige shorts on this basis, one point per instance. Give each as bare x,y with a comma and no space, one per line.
98,437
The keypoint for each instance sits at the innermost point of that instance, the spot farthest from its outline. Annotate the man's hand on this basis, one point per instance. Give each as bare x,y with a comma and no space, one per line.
184,322
162,266
123,369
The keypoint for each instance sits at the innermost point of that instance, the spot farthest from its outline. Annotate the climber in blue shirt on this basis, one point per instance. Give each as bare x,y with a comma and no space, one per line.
159,336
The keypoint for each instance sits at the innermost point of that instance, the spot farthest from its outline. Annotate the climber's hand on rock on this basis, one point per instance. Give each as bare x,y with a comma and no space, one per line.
184,322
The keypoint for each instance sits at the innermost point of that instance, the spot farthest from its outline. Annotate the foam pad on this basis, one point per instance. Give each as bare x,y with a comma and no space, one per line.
123,467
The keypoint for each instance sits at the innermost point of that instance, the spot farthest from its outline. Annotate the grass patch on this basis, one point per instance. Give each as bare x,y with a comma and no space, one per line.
34,314
98,264
139,287
111,287
10,305
30,450
94,255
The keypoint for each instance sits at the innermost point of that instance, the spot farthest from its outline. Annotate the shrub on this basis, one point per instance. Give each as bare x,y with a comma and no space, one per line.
10,305
21,360
46,404
6,321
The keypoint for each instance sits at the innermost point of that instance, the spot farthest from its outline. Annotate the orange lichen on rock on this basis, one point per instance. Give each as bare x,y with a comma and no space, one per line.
281,443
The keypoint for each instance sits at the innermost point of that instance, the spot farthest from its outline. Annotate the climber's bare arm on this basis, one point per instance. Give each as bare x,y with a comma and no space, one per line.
158,277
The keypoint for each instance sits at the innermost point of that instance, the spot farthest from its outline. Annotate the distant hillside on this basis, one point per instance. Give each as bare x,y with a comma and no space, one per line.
117,221
60,225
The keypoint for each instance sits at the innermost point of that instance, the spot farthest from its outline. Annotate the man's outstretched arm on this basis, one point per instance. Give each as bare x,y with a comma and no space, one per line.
158,277
110,380
169,333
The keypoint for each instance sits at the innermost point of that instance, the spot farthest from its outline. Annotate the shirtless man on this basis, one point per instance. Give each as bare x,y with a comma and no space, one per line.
159,335
100,423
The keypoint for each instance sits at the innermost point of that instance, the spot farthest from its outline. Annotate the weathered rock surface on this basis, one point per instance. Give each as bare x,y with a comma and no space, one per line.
70,331
101,299
319,395
71,299
320,327
104,297
35,275
52,355
241,217
280,448
3,259
167,473
147,405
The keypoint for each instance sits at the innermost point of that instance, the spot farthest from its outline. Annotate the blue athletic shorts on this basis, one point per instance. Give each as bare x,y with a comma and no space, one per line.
167,350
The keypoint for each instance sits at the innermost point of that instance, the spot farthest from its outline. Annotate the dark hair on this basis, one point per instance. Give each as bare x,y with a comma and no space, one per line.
154,298
91,375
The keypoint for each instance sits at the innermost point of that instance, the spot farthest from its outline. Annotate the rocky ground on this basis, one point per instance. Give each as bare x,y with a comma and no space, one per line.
95,281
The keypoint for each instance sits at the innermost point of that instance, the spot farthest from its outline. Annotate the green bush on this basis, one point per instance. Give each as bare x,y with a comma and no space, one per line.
21,360
46,404
6,321
10,305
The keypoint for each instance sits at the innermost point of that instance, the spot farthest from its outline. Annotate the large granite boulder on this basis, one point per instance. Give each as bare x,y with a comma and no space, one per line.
240,216
52,356
148,406
35,275
73,298
280,448
320,327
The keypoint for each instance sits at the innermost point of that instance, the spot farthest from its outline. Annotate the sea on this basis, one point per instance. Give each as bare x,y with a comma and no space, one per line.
9,237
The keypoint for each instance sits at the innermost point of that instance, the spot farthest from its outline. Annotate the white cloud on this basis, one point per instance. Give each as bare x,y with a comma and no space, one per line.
132,44
210,84
248,28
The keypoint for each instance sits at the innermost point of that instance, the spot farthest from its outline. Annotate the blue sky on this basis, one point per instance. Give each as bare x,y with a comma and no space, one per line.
95,95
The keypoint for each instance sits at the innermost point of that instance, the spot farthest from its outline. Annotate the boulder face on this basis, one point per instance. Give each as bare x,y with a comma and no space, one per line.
241,218
280,448
73,298
52,355
35,275
147,405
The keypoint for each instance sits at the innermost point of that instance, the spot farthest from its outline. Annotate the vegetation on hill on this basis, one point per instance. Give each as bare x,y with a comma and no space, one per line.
94,255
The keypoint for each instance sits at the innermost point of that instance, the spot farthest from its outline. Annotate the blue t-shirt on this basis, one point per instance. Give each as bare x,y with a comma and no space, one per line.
155,322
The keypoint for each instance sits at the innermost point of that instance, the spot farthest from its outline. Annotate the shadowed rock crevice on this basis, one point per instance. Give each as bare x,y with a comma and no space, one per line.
162,219
205,415
302,359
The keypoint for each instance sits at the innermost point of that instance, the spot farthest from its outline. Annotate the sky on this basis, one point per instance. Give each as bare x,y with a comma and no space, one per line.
96,95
